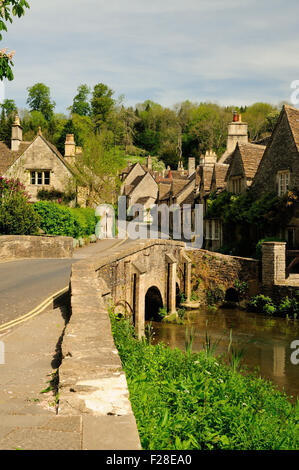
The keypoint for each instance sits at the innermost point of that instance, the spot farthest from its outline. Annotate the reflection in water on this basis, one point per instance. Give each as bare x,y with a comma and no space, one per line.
266,341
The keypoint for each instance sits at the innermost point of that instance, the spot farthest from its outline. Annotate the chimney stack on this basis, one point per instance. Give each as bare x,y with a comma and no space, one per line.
70,146
149,163
16,134
191,166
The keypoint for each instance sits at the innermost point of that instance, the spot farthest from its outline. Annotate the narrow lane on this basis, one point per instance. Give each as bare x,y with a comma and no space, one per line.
24,284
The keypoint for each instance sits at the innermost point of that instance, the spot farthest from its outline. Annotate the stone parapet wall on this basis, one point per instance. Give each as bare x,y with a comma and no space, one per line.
92,382
27,246
212,271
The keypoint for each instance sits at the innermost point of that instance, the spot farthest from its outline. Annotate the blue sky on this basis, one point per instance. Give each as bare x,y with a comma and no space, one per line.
230,52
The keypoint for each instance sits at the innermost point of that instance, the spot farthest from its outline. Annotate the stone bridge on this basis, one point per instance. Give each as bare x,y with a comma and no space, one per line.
143,278
138,277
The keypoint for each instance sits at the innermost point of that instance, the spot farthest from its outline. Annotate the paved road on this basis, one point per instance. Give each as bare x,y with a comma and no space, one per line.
24,284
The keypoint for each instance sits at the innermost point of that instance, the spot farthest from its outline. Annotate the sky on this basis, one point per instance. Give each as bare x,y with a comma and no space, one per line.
230,52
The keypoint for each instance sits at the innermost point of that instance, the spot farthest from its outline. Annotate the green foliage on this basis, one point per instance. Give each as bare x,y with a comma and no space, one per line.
81,105
215,296
192,401
97,169
61,220
39,99
287,307
193,296
54,195
9,9
101,104
261,304
181,313
163,312
17,216
241,287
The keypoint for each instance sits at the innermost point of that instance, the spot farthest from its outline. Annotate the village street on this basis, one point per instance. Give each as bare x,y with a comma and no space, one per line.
24,284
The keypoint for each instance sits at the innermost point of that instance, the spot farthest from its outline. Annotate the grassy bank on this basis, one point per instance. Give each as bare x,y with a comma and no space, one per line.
192,401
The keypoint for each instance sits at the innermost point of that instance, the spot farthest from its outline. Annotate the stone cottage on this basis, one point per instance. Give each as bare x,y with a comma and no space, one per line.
244,163
37,164
278,171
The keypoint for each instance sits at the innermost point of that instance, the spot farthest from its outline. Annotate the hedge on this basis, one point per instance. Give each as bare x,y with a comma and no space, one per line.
62,220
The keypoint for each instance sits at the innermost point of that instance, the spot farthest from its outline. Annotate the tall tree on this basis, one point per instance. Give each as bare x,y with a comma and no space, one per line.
9,9
9,107
81,105
39,99
102,104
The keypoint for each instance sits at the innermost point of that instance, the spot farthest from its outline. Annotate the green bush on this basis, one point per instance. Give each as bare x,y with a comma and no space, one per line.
17,215
193,401
288,307
261,304
61,220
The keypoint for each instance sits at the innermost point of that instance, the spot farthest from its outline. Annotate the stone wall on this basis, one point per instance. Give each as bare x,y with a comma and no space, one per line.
25,246
212,271
92,382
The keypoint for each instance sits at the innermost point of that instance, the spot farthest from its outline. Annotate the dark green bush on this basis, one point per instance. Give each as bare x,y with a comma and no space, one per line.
261,304
289,307
17,215
62,220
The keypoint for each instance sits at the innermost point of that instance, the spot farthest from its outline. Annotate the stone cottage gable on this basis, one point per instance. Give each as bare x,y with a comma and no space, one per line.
186,194
135,171
245,162
281,155
40,158
146,187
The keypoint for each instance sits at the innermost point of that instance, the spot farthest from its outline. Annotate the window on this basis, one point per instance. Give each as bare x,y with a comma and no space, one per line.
236,185
40,177
213,229
283,182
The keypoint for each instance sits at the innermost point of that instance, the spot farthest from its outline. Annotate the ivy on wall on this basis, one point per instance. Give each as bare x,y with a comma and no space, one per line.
267,212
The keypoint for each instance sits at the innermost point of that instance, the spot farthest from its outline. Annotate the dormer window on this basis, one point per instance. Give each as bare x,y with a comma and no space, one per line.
283,182
236,185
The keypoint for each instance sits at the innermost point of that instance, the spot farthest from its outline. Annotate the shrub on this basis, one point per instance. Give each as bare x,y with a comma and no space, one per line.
241,287
261,304
17,216
288,307
163,312
61,220
54,195
214,296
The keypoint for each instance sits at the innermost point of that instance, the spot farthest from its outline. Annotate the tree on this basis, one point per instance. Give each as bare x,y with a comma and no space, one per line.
9,107
39,99
256,116
9,9
81,105
97,169
102,104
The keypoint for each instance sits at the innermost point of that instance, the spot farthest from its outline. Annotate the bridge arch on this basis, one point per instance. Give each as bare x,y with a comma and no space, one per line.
153,303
